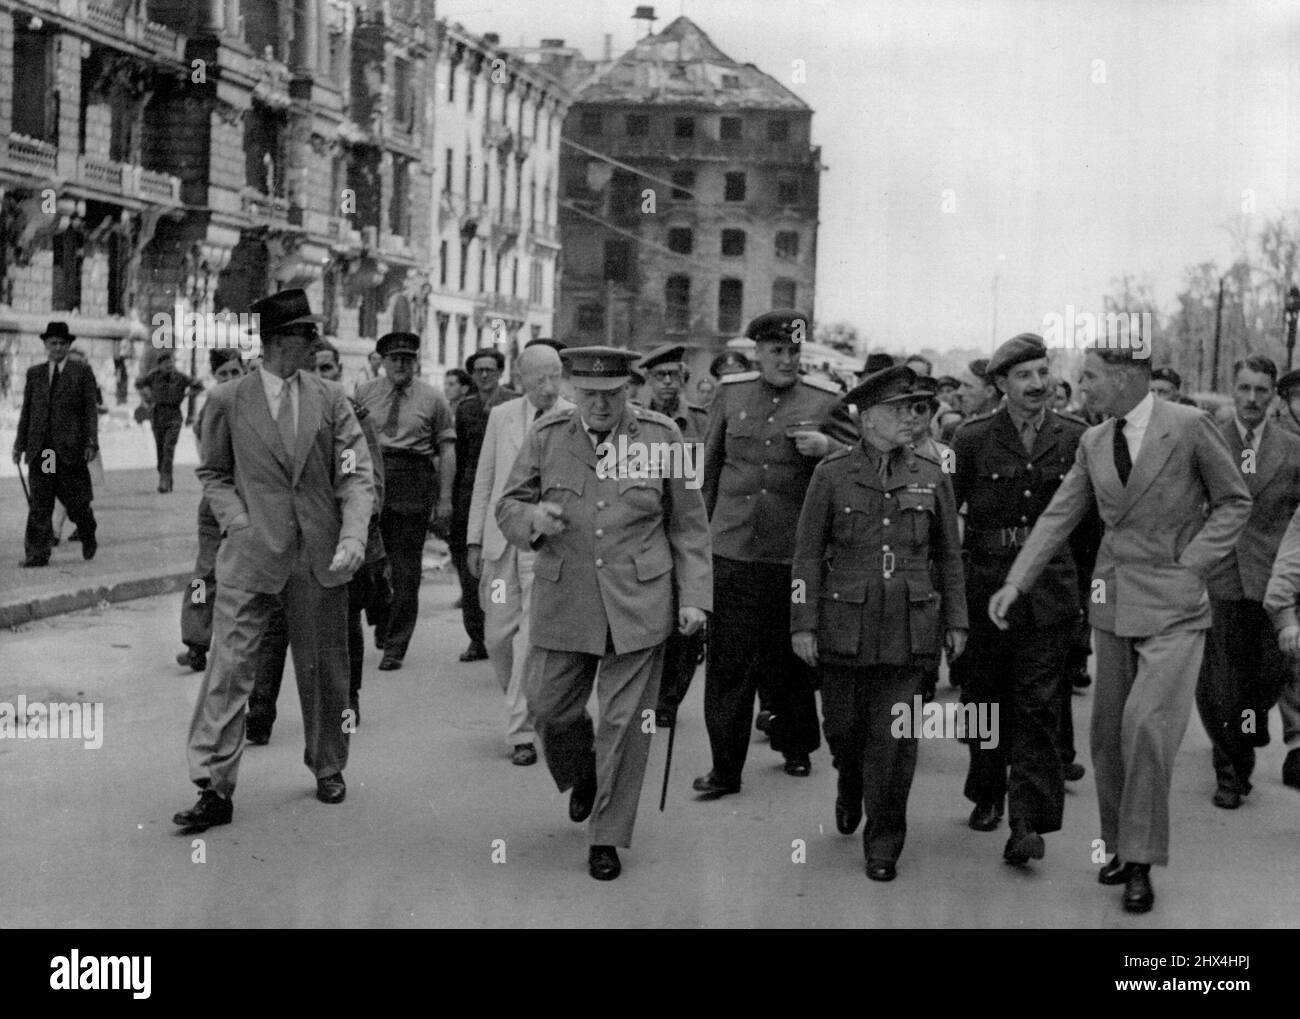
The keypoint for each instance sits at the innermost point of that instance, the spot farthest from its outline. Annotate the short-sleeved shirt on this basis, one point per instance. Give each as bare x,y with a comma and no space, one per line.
423,418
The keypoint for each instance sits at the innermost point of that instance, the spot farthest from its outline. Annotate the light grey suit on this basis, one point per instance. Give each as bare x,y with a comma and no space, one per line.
1149,606
282,514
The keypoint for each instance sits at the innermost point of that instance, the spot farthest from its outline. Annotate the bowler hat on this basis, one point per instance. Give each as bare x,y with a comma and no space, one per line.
398,343
57,330
277,312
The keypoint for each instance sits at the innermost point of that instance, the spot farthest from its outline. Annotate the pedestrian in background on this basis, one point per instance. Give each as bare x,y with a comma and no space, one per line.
166,387
456,385
96,466
418,440
878,526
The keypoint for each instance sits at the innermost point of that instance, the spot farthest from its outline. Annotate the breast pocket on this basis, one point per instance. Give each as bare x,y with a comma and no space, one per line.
918,509
564,487
641,495
741,434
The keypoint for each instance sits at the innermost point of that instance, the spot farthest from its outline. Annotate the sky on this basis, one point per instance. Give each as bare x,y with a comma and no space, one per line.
1050,145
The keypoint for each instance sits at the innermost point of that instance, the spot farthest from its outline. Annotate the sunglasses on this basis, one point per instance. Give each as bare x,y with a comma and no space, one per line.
667,375
914,407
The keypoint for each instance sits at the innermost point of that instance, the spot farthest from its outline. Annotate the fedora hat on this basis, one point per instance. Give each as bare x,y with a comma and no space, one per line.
57,330
278,312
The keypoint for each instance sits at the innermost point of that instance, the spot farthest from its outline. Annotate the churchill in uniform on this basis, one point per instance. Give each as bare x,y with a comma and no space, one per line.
1009,465
878,525
167,388
621,537
666,374
767,432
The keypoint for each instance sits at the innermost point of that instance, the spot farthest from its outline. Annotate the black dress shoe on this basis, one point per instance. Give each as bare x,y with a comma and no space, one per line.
1226,797
389,662
257,737
603,864
1291,769
712,786
665,718
986,816
523,755
74,536
881,870
1073,771
583,797
331,789
848,805
1114,873
54,542
195,658
1024,845
354,705
1082,680
1139,896
476,652
798,765
31,564
763,723
89,546
210,811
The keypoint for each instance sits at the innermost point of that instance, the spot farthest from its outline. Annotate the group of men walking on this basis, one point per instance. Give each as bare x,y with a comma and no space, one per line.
827,542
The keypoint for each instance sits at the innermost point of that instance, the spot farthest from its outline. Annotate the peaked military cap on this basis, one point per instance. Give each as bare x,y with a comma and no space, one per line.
669,353
598,367
398,343
895,383
1167,375
785,325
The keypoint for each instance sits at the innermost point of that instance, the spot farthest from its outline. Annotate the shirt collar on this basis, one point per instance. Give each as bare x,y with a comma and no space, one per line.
1242,426
1140,415
1021,419
273,383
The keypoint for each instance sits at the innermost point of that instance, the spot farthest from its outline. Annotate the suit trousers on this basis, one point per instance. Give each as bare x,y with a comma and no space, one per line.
558,689
1021,672
69,483
1243,675
409,494
1144,692
316,625
858,705
200,594
166,422
471,607
749,634
506,592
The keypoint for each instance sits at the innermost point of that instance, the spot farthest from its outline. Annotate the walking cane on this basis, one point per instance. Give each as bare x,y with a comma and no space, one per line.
672,734
26,494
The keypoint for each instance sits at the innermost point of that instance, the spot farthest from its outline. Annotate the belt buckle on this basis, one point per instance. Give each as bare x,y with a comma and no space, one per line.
887,565
1010,537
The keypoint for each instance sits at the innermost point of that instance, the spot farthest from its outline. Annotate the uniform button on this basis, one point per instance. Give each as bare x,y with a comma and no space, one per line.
835,596
1028,493
763,490
770,420
995,477
884,548
776,399
887,495
764,466
848,509
600,504
885,521
1024,520
768,442
600,562
600,533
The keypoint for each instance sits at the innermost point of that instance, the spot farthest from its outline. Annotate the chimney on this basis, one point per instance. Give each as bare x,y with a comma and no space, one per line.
492,38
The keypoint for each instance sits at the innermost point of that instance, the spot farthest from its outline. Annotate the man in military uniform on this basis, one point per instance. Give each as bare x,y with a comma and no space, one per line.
765,437
167,388
621,538
1009,465
418,439
666,373
878,526
923,442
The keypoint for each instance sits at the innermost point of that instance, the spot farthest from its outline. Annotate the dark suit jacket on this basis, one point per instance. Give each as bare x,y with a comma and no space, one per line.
1273,477
66,420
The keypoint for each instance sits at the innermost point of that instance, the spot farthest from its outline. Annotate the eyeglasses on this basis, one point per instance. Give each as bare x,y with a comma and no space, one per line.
914,407
491,370
667,375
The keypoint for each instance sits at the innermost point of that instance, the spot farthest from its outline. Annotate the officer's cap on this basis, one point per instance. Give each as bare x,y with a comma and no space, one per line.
897,382
1017,350
546,341
876,362
598,367
731,359
947,380
669,353
1167,375
785,325
398,343
979,368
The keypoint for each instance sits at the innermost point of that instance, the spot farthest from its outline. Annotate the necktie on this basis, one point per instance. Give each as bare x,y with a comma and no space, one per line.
390,426
285,420
1027,436
1250,438
883,470
54,379
600,436
1123,461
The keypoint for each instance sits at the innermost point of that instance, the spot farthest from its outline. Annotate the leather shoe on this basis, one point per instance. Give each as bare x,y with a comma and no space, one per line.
1024,845
848,805
258,739
389,663
331,789
1227,798
603,864
524,754
211,810
1291,769
28,564
798,765
1114,873
74,536
89,546
712,786
476,652
1073,771
1139,896
881,870
763,723
583,797
196,658
986,816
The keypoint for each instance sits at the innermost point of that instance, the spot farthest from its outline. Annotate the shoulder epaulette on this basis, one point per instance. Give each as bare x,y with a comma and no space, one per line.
646,414
696,410
727,380
817,382
976,419
839,454
1071,418
553,417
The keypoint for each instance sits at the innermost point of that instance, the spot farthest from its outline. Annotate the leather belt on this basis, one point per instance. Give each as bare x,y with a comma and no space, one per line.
891,562
999,539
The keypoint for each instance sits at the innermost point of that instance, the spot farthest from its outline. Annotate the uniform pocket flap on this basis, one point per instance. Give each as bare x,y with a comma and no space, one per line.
920,591
653,564
847,586
548,567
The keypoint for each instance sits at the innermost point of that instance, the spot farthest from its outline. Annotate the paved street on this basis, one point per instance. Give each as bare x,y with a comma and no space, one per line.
87,839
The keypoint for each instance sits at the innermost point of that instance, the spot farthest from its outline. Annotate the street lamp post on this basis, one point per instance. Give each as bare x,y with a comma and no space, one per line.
1291,313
